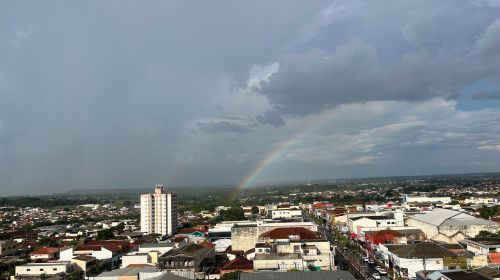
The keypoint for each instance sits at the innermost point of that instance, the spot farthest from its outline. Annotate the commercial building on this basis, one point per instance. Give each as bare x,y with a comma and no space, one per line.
449,226
159,212
407,260
426,199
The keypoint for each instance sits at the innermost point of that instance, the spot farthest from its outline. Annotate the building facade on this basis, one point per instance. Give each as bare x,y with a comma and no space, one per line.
159,212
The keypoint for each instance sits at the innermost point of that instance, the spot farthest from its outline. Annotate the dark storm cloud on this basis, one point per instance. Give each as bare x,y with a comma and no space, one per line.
446,53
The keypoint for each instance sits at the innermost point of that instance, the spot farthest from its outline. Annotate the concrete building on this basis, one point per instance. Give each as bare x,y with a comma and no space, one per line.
286,214
488,247
356,224
278,262
159,212
38,269
425,199
480,200
407,260
185,258
136,258
314,249
309,275
449,226
7,247
244,235
46,253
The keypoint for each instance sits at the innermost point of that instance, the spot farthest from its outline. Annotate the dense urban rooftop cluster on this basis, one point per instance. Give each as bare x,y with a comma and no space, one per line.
403,230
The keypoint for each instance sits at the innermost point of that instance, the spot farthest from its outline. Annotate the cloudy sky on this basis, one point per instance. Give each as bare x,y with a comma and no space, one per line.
101,94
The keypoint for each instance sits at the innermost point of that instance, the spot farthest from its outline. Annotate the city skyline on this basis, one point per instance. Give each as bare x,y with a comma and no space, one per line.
199,94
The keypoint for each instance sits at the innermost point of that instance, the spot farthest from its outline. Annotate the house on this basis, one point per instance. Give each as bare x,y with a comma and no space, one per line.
485,246
47,268
85,263
450,226
238,264
136,258
100,252
46,253
185,258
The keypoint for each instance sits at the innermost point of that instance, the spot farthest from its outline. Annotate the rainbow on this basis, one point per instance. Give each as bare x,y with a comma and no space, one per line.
269,157
277,151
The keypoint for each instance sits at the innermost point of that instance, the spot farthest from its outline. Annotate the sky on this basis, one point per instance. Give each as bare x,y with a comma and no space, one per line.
122,94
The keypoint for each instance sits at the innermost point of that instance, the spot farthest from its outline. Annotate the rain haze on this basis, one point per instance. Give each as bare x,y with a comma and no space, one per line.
123,94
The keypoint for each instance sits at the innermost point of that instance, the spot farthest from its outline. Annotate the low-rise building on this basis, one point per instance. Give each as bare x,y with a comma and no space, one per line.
407,260
46,253
39,269
278,262
239,264
485,246
185,258
7,247
449,226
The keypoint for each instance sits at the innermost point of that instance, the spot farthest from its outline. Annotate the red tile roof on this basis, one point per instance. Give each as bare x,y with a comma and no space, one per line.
45,250
285,233
238,263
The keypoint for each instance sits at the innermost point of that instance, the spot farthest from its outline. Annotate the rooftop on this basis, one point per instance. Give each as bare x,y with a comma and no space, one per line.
446,217
421,250
285,233
309,275
277,256
238,263
45,250
127,271
486,241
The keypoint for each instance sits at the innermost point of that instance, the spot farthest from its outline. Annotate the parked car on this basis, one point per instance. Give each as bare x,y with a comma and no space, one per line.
370,261
366,260
382,271
376,276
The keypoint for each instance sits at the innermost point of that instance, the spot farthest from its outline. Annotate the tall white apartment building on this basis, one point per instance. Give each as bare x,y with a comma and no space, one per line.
159,212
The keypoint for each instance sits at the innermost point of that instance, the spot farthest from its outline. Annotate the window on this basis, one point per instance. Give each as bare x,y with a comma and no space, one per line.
54,269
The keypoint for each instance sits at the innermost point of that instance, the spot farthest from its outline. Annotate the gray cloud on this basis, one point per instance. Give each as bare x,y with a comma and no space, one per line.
225,125
447,54
178,92
486,95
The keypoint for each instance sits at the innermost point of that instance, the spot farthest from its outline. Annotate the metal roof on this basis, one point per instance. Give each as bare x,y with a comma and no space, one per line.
446,217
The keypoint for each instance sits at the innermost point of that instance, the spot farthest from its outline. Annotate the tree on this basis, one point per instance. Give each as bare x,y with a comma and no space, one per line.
233,214
255,210
48,241
105,234
485,233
